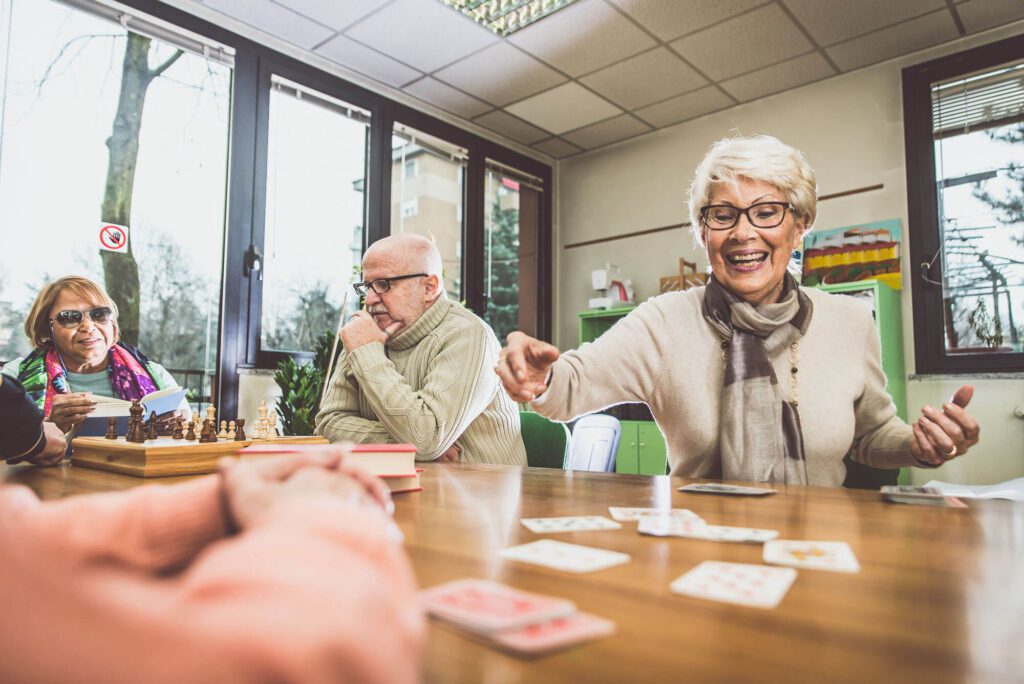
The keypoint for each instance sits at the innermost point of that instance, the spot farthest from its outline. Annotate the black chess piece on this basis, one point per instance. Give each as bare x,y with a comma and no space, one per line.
240,429
208,434
191,434
151,428
111,428
136,432
178,432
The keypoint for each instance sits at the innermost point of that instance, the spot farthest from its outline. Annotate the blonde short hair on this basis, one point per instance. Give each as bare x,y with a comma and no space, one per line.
37,325
760,158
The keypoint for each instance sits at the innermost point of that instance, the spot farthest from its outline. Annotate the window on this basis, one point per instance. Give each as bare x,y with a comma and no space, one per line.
74,156
429,202
511,213
965,166
316,160
410,168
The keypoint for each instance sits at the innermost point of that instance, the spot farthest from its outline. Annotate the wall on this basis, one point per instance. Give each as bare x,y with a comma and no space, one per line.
851,129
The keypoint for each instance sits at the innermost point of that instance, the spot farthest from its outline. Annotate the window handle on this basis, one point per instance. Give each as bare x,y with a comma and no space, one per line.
253,263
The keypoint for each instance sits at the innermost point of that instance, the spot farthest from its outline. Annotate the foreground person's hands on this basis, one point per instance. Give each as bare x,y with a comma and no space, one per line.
523,366
942,435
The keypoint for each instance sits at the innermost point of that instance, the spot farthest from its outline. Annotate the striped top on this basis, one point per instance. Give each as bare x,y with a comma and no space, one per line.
432,385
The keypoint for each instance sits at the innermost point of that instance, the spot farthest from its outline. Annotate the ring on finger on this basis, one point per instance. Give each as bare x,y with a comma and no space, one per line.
952,452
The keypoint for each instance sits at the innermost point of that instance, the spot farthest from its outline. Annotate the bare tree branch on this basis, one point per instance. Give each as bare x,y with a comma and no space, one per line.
154,73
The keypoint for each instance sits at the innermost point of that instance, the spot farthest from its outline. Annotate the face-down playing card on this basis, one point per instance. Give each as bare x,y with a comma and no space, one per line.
485,607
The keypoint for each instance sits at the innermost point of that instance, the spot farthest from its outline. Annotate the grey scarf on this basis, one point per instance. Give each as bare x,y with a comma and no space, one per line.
759,432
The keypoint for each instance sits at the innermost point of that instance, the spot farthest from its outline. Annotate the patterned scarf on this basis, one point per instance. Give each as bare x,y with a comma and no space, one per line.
760,438
125,369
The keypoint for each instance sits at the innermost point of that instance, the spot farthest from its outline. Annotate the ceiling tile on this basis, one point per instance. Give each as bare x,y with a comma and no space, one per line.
564,108
979,15
646,78
352,55
688,106
583,37
742,44
446,97
500,74
422,33
557,148
901,39
605,132
830,21
508,125
275,20
336,15
669,19
779,77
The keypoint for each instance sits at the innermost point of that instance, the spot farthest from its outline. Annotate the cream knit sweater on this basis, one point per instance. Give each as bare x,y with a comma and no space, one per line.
666,355
432,385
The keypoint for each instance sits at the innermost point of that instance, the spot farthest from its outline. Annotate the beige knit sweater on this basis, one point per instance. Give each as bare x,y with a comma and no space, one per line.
432,385
666,355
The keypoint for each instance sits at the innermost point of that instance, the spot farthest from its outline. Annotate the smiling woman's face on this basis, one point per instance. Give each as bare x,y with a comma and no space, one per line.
83,348
751,262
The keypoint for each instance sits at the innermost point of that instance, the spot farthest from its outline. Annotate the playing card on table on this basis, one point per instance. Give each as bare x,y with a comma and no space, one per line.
758,586
629,514
563,556
698,529
484,607
813,555
575,523
734,490
941,502
554,634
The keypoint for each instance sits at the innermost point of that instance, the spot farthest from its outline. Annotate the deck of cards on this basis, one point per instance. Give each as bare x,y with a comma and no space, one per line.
728,489
920,496
518,621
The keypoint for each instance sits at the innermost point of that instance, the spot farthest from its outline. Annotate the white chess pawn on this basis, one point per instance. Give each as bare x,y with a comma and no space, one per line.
272,424
223,429
231,430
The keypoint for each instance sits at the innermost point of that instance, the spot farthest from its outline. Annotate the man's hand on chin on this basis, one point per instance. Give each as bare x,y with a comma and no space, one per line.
362,329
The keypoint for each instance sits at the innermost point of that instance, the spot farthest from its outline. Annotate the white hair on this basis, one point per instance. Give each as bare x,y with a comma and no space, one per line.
761,158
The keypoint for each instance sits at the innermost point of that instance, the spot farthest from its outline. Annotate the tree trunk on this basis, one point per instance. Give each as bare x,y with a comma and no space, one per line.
120,270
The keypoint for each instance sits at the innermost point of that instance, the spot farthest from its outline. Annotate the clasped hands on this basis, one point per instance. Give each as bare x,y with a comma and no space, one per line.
362,329
254,488
523,366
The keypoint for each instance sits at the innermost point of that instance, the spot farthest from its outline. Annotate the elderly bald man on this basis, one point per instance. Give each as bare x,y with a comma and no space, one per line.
417,367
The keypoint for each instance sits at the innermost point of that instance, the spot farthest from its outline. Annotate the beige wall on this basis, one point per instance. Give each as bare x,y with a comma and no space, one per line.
851,129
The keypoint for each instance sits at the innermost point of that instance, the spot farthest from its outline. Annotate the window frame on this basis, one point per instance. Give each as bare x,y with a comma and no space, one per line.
922,209
241,290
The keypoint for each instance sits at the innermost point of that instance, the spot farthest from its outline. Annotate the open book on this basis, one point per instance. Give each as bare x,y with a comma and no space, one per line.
162,401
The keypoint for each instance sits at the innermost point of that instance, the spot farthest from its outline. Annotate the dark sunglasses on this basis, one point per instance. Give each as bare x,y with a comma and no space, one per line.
382,285
72,318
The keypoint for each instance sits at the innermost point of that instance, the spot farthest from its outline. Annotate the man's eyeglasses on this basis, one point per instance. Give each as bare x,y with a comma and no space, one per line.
760,215
72,318
382,285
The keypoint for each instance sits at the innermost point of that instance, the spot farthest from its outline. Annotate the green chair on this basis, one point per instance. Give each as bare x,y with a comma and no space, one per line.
547,442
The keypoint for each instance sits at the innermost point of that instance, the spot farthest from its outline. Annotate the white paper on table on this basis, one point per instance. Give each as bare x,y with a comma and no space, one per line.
1011,490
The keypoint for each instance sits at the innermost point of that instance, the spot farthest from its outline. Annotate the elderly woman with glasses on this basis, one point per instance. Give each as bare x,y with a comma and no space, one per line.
73,326
751,377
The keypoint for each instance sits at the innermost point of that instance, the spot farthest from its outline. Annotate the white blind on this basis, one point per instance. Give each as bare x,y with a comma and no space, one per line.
994,97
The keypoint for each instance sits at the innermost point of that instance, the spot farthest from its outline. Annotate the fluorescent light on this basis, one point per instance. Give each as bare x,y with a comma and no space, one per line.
506,16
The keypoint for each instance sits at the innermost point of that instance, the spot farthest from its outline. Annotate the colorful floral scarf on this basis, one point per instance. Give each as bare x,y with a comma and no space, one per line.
126,370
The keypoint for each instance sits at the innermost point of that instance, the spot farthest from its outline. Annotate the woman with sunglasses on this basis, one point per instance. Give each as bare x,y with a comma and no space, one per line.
751,377
73,326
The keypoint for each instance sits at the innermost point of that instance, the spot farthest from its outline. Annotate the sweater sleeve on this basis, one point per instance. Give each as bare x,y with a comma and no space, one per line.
458,385
339,419
881,439
21,435
317,592
620,366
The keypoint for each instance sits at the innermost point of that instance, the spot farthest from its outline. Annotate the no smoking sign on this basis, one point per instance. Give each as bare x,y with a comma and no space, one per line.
113,238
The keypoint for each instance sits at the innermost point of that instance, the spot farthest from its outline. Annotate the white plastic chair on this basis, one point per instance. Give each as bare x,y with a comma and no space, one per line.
595,441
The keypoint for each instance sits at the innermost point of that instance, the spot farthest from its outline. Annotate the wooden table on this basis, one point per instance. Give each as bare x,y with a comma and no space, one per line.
940,596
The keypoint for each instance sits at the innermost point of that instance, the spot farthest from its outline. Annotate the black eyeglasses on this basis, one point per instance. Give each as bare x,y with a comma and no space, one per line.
72,318
382,285
760,215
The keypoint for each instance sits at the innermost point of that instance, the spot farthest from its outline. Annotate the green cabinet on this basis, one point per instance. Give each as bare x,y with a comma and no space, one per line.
642,448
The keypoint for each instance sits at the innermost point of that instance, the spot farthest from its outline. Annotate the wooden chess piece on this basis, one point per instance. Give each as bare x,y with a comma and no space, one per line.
136,433
272,424
211,415
231,430
191,434
111,428
240,429
204,435
151,431
178,432
223,430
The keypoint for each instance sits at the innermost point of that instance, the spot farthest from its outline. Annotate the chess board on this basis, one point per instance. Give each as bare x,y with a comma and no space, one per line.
163,456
